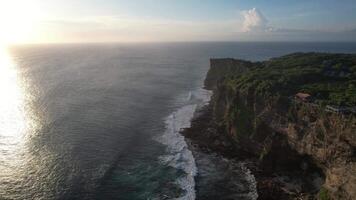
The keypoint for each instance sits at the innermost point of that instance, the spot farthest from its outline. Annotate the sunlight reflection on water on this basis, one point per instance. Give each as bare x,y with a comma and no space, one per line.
13,120
12,114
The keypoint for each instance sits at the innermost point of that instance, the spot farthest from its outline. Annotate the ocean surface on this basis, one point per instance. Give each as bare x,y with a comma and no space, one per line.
102,121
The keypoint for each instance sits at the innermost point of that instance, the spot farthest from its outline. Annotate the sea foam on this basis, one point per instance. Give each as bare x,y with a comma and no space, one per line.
178,155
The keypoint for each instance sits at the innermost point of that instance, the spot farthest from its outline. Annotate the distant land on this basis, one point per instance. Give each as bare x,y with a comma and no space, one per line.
291,118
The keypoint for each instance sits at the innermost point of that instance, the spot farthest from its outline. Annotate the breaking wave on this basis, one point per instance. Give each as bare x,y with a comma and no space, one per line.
178,154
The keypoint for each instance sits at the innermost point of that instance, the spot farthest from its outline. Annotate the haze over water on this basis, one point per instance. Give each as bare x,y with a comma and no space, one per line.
82,121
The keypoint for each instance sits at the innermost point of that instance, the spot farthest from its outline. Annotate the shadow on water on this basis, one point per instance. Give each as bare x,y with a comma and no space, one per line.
139,176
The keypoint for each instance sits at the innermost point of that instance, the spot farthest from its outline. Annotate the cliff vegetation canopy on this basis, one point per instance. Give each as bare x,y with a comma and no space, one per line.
329,78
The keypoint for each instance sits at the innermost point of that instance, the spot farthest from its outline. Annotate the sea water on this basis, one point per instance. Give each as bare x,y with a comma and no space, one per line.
102,121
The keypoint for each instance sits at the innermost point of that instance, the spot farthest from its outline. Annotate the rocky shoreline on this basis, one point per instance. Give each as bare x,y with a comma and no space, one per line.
278,182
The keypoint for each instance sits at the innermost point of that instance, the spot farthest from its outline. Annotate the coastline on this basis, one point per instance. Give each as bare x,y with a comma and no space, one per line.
294,149
204,135
178,154
227,170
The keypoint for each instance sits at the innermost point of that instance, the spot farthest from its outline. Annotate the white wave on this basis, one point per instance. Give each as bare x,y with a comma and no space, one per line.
252,182
189,97
200,96
179,156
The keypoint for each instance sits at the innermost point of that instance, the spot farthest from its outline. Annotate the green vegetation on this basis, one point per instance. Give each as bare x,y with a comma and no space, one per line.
241,117
263,153
329,78
323,194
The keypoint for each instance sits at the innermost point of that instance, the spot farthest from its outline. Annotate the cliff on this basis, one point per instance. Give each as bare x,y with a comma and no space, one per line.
221,67
254,105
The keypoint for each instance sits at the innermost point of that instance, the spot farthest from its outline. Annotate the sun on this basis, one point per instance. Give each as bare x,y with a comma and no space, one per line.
18,19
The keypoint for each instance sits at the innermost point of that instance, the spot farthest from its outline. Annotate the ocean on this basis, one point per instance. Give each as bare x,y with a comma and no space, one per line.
102,121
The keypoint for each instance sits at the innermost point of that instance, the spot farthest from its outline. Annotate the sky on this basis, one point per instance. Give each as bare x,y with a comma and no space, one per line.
67,21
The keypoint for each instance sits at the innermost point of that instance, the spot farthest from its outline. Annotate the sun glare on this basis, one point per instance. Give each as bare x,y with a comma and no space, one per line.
12,121
18,19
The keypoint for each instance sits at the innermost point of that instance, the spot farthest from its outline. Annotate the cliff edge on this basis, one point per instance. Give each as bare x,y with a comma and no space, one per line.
295,115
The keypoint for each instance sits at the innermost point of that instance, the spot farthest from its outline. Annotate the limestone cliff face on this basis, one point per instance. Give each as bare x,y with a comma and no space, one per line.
277,127
330,140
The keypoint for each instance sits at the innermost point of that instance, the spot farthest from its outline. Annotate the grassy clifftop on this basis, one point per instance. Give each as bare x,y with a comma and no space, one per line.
330,78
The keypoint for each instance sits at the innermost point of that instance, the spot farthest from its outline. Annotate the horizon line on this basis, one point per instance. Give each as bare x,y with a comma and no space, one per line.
162,42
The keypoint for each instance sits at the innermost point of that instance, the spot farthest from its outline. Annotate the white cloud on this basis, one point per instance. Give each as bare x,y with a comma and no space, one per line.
254,21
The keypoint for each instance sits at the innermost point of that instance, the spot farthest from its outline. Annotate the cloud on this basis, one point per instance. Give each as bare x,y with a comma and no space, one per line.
254,21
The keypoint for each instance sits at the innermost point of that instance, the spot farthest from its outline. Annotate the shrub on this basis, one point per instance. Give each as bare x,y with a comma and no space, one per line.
323,194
